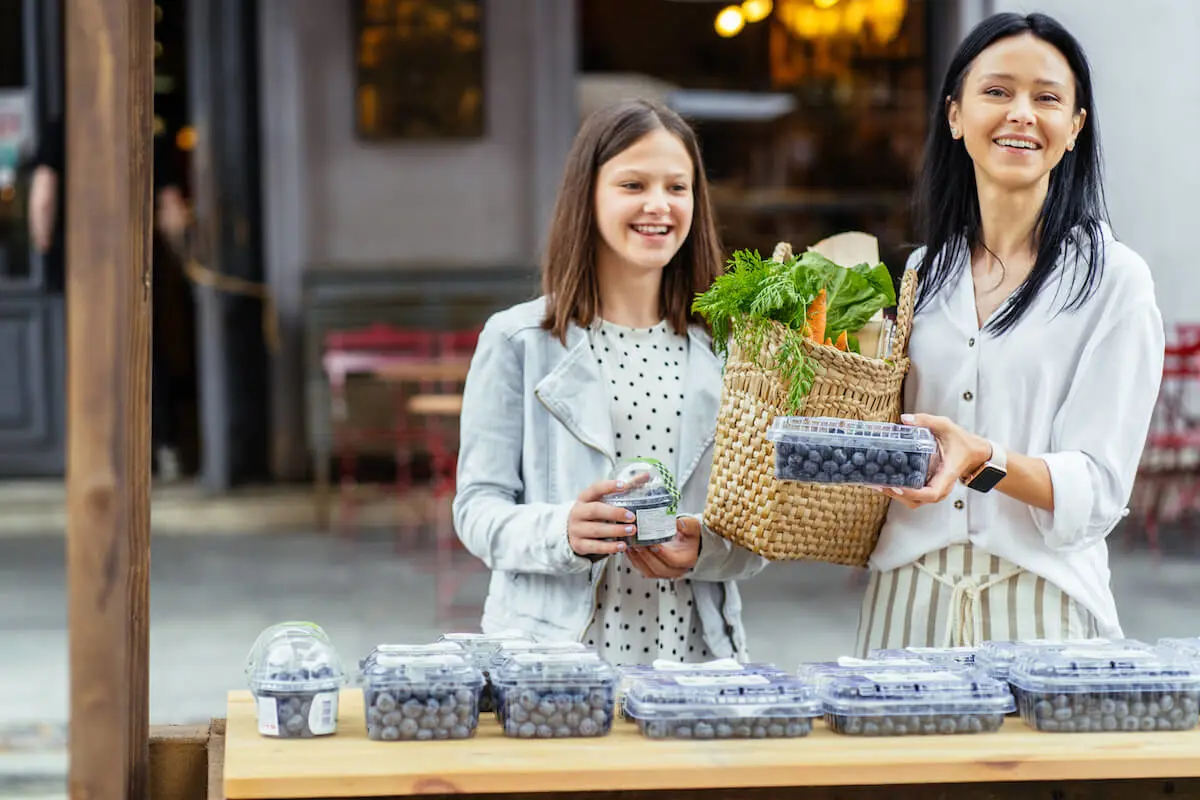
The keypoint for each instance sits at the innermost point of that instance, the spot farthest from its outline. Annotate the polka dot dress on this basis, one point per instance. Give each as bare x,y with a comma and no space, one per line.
638,619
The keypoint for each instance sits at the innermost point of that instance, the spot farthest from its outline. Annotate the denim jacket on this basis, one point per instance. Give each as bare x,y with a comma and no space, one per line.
536,431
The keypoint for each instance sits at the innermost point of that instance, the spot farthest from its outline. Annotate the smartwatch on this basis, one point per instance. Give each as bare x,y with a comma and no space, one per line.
990,473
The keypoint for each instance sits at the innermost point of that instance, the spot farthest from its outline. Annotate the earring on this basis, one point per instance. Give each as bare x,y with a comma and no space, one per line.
954,133
1071,145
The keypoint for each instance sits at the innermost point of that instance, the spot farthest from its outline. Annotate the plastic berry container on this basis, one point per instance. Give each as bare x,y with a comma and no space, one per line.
937,701
1188,646
556,696
651,494
831,450
996,658
295,674
480,648
819,673
628,676
428,649
510,649
421,697
1130,688
738,706
940,656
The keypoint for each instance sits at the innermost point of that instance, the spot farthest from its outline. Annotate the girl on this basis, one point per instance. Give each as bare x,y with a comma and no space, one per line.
609,363
1036,352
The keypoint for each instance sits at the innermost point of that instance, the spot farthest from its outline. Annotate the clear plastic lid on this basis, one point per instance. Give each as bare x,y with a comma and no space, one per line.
509,649
886,691
482,646
1122,666
392,670
996,657
851,432
428,649
573,669
819,673
1188,646
720,666
932,655
732,695
293,657
648,484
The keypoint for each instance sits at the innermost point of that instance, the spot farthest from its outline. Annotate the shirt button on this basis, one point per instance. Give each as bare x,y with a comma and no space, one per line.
971,342
958,504
967,396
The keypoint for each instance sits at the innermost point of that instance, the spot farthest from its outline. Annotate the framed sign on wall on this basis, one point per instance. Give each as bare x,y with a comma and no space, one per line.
419,69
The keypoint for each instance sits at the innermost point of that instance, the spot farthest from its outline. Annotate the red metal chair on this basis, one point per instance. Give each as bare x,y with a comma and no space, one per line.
1169,475
366,352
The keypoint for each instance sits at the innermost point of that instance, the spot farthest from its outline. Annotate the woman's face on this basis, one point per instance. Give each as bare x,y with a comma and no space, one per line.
644,201
1016,114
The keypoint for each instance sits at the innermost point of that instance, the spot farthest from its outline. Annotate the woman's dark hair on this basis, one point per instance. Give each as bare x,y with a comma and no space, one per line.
947,203
569,267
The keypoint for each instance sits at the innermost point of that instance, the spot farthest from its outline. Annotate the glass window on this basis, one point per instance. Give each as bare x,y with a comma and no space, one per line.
15,127
811,113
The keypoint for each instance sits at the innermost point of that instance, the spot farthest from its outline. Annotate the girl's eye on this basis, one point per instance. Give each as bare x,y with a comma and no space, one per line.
680,187
631,185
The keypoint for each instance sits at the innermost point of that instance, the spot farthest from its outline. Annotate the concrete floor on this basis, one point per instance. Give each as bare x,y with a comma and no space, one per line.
211,595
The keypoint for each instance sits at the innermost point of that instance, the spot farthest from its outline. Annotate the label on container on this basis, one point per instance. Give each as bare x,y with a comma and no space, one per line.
654,526
701,681
962,650
724,665
848,661
322,716
268,716
913,677
1105,653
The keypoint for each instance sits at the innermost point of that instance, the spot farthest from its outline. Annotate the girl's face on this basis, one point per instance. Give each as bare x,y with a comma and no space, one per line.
1016,114
643,202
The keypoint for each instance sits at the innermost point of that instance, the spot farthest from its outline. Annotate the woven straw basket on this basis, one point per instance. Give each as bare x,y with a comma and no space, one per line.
785,520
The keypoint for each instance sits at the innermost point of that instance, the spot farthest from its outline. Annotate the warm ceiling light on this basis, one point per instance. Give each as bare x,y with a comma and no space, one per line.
730,22
825,3
756,10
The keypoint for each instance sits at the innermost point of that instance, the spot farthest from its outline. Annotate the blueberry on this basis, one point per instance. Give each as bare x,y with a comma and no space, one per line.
839,456
858,459
899,460
847,468
389,734
870,469
830,467
811,468
784,449
385,702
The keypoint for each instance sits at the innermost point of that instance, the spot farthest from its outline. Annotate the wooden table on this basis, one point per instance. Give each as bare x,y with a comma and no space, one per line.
348,765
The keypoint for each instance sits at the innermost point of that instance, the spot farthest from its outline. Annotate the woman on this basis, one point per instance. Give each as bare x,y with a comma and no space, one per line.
609,363
1036,358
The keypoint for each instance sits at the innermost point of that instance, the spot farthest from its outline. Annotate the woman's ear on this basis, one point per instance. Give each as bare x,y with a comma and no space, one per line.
952,119
1076,126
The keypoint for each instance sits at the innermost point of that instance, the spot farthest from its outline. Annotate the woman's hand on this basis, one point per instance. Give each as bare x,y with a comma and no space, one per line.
959,453
592,523
672,559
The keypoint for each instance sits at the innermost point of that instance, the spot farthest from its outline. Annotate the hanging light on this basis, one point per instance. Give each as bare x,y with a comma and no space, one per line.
823,4
729,22
756,10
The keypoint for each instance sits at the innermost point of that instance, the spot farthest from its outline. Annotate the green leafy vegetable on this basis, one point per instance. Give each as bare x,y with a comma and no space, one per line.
754,292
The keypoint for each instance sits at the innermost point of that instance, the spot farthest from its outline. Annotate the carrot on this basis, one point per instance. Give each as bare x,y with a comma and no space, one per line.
842,342
828,342
816,317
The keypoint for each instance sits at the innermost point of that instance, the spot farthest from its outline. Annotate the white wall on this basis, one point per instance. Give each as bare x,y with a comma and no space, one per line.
1145,59
331,200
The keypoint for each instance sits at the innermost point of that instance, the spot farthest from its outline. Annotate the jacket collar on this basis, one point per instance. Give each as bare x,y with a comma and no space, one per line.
575,394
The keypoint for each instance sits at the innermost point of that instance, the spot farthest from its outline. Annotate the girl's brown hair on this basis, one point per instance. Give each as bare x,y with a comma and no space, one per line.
569,270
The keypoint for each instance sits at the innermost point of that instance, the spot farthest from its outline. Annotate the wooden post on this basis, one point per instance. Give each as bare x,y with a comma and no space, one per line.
108,189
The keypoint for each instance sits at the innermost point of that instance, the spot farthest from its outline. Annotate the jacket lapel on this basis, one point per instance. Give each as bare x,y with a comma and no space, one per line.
701,402
574,393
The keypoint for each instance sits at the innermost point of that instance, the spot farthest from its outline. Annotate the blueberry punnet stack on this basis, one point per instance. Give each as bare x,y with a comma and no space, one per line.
829,450
743,706
510,649
295,675
555,696
937,701
481,648
1126,687
420,697
631,675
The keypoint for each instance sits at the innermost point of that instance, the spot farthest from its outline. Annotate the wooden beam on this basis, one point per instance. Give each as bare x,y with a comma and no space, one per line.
109,54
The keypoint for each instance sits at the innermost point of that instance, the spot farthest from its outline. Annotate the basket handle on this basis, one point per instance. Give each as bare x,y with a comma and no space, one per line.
904,313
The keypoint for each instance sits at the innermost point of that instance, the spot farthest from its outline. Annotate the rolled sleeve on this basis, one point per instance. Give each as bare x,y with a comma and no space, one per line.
721,559
1100,431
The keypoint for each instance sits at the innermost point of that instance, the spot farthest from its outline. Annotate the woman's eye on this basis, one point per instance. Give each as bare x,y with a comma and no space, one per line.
994,92
1048,98
680,187
631,185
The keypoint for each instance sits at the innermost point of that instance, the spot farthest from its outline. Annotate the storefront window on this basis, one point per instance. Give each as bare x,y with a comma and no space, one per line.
15,126
811,113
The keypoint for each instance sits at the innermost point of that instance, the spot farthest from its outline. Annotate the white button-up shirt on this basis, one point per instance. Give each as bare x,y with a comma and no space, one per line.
1075,388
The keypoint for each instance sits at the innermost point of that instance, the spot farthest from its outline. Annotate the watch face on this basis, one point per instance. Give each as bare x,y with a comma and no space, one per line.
987,479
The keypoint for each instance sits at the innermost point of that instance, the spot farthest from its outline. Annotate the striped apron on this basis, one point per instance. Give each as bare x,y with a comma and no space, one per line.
960,596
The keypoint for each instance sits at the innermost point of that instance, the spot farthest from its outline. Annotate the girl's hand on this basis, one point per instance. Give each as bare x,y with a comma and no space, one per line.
592,522
674,558
959,453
